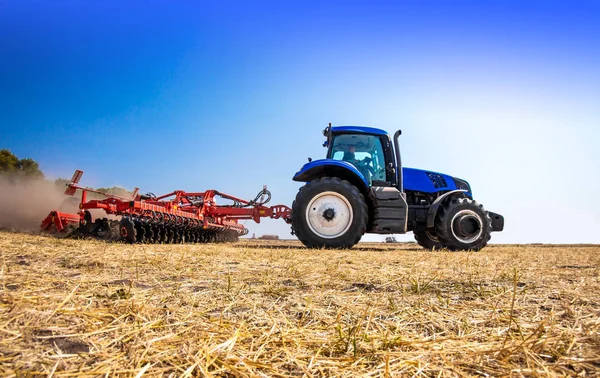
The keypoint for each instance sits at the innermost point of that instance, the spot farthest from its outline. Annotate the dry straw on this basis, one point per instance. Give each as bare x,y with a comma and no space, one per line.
74,308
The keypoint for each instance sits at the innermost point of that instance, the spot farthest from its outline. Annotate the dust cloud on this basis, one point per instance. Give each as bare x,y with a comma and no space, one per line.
25,203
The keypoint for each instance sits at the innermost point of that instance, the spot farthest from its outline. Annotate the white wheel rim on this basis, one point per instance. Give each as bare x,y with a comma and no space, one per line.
329,215
466,216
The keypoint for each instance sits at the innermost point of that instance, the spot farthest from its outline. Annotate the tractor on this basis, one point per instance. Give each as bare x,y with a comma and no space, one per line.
361,187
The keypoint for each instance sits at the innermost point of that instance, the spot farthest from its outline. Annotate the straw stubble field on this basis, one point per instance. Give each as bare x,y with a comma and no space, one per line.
88,308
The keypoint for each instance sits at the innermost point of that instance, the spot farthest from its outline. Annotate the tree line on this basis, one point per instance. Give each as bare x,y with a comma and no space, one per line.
13,167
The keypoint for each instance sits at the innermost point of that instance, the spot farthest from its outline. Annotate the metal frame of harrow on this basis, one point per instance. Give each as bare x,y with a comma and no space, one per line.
178,208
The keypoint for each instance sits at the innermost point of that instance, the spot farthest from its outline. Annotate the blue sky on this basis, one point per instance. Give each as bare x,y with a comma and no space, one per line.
233,95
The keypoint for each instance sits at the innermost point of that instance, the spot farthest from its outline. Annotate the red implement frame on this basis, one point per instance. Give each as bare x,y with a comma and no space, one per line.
61,221
198,208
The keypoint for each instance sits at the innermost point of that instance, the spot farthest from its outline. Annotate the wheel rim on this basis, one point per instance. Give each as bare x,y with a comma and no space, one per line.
467,226
329,215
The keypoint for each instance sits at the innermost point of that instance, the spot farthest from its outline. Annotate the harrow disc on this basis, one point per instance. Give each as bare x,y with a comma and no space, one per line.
86,226
148,232
127,230
155,230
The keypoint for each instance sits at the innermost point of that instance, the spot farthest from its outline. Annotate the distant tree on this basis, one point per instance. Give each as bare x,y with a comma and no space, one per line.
13,167
30,168
9,163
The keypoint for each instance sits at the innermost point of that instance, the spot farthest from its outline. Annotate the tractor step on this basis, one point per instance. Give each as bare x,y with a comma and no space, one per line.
390,210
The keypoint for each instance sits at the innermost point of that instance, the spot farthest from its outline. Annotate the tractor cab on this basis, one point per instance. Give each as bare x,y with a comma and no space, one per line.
367,149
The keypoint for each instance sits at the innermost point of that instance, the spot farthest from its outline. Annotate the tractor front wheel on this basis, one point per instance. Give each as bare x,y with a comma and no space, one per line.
428,240
463,225
329,212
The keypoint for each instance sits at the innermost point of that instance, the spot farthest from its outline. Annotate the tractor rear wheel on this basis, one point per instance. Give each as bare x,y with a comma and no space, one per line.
329,212
428,240
463,225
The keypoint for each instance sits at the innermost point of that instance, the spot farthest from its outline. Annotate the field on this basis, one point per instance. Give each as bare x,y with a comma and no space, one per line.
275,309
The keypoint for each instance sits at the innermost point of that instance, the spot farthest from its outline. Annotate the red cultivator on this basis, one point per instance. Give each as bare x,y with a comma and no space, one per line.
177,217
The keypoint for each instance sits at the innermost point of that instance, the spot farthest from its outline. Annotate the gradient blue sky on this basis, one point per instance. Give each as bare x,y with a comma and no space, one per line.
232,95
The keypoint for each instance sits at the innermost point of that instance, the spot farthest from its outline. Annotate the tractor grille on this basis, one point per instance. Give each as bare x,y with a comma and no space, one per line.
437,180
461,184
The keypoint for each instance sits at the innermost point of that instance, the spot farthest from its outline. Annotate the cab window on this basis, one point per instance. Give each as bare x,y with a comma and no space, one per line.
363,151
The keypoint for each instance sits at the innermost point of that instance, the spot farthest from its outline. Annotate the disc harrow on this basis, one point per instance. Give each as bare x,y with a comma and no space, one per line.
173,218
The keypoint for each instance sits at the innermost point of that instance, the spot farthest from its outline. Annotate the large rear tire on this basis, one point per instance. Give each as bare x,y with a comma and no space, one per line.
428,240
463,225
329,213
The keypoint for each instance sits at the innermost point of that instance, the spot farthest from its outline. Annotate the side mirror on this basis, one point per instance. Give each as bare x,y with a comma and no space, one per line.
327,133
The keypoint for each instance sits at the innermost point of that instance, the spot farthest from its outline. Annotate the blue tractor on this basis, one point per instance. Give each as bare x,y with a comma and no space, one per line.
361,187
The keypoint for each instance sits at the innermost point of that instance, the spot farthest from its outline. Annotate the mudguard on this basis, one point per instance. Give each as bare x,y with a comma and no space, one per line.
331,168
433,209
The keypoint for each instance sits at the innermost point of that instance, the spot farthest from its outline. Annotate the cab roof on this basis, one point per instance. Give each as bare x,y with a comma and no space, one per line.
357,129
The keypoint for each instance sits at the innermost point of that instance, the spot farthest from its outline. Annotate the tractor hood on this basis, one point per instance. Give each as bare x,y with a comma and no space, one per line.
430,182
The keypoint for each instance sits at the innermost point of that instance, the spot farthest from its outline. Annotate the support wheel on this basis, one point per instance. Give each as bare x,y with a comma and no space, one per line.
127,230
329,212
463,225
428,240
